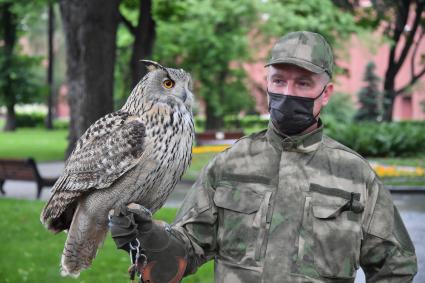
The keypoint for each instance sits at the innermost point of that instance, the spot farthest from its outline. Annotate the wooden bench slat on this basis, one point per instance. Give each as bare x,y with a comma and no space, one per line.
24,170
17,175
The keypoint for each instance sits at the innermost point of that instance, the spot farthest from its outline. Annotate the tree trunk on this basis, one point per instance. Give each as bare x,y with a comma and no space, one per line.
90,32
389,88
403,9
389,97
10,118
144,38
50,58
213,122
9,35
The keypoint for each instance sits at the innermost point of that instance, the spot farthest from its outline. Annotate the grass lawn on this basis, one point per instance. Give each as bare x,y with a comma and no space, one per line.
404,181
28,252
41,144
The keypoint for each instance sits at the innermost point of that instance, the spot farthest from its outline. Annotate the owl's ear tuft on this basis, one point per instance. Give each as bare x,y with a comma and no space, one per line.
152,65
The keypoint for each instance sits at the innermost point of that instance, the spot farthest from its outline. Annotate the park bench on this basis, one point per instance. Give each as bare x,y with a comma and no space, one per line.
217,137
23,170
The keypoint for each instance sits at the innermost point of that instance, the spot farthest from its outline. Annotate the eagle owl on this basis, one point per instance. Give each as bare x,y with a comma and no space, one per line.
134,155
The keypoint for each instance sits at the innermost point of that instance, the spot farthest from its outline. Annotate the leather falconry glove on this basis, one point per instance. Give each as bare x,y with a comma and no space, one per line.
160,255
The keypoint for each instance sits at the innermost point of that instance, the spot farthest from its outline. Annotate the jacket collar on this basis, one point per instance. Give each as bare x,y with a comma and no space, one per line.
302,143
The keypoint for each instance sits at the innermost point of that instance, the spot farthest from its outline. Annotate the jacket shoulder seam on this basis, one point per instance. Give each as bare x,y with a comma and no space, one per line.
348,150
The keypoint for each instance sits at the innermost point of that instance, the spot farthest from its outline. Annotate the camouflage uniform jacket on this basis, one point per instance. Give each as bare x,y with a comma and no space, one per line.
293,209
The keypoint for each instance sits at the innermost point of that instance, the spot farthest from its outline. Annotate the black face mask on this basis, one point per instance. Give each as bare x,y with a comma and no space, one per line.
292,114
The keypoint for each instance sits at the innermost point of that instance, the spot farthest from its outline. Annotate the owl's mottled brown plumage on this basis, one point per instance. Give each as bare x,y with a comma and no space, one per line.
134,155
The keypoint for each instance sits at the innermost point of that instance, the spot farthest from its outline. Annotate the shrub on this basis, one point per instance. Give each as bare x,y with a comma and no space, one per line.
405,138
60,124
30,120
199,124
37,120
340,108
380,139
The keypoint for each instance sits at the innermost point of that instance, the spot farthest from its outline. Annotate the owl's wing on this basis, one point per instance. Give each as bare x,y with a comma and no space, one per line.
108,149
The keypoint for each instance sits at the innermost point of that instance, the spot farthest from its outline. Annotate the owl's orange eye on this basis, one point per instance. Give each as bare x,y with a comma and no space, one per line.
168,84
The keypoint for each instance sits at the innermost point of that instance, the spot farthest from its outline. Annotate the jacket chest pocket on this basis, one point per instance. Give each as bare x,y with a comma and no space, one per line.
242,216
337,234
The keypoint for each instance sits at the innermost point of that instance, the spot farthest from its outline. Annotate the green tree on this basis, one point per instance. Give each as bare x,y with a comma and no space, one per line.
212,39
205,37
322,16
18,82
370,97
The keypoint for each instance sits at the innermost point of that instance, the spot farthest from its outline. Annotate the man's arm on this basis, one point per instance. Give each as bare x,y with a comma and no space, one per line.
387,253
196,221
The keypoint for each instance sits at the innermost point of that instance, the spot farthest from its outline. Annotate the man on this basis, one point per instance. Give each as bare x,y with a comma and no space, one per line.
287,204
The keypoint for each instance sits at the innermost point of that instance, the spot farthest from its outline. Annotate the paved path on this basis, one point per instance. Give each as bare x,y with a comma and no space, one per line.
411,206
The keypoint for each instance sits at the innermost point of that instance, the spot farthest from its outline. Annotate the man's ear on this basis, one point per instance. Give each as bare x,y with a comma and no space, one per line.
327,94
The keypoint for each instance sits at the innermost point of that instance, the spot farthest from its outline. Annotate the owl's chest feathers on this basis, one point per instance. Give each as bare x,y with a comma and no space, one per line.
167,153
169,137
167,130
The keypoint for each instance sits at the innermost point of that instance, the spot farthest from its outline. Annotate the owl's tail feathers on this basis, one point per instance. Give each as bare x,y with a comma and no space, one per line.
85,236
59,209
58,212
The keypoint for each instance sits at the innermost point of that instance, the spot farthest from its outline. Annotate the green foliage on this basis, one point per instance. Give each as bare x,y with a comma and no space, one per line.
129,9
381,139
33,254
37,120
205,37
246,122
60,124
199,124
320,16
122,70
30,120
211,39
370,97
339,110
19,80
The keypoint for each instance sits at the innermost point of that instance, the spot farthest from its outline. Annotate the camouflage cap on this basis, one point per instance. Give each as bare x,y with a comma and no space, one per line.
305,49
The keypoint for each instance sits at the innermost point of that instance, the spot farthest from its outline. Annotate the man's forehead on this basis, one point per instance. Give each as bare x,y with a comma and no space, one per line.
289,69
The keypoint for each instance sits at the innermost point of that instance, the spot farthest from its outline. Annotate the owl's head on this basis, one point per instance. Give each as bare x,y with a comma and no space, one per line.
161,84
